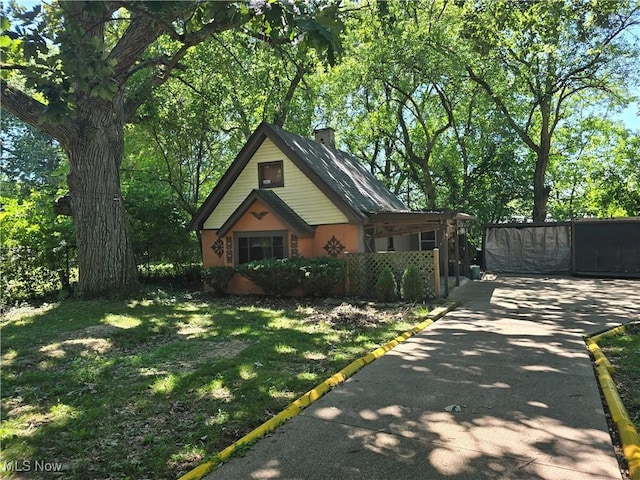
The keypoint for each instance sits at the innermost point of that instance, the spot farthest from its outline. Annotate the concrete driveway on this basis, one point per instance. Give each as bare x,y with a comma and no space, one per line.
500,388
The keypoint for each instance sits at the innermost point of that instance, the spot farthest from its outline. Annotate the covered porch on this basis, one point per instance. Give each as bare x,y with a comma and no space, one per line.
442,229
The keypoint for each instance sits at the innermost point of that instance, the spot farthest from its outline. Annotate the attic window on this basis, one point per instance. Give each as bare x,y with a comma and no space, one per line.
270,174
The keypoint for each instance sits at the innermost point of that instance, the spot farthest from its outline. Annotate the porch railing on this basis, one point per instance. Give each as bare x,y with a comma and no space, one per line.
363,270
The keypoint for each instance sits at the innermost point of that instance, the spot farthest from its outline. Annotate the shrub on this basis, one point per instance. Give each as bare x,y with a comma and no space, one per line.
33,246
170,274
412,286
275,276
386,286
218,278
321,274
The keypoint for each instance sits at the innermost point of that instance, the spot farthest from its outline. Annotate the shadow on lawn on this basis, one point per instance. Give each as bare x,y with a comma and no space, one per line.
512,358
147,388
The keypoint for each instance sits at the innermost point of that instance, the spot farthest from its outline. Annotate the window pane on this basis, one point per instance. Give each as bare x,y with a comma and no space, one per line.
257,248
428,240
270,174
243,250
278,247
257,251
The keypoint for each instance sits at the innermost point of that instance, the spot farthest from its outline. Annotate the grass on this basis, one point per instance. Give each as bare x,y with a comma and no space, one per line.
623,351
149,388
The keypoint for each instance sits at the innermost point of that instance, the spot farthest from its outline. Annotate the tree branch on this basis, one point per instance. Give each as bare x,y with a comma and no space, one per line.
503,108
140,33
33,112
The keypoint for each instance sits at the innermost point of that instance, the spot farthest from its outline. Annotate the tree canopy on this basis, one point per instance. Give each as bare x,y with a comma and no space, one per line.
494,108
79,71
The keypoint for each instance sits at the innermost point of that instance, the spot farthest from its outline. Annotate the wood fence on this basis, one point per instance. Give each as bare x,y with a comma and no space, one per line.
363,270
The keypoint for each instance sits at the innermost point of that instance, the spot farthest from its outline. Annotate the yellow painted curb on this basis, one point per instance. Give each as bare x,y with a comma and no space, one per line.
599,357
312,395
627,431
607,333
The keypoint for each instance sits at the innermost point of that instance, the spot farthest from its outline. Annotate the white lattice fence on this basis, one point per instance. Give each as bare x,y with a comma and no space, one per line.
363,270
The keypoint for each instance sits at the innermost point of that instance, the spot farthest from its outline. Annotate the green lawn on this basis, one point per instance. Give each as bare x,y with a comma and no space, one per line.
149,388
623,351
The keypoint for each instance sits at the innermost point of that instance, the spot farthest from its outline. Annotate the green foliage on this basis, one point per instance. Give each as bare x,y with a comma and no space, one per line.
96,63
274,276
317,276
30,158
412,287
218,278
599,172
34,244
386,286
157,225
321,275
622,350
538,62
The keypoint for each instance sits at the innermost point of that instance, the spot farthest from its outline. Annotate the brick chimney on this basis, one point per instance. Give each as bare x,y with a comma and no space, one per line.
326,136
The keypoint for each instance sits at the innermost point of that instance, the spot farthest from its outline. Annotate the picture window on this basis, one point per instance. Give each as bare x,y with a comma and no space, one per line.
261,245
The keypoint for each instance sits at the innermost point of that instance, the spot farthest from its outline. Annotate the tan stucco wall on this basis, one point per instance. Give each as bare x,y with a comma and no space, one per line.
209,257
298,192
346,234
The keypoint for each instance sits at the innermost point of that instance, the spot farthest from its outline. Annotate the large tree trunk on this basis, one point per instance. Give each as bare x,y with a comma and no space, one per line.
106,263
428,188
540,195
540,190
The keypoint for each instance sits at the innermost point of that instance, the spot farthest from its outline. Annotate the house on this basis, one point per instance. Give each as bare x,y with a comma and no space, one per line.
285,195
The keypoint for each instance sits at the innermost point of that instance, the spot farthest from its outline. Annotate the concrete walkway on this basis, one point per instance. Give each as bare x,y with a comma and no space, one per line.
513,361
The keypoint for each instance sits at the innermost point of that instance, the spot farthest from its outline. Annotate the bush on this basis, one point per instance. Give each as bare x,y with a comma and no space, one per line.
274,276
412,286
321,274
33,245
170,274
386,286
218,278
25,276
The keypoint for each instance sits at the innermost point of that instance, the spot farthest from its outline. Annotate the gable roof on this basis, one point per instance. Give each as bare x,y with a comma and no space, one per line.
348,184
277,206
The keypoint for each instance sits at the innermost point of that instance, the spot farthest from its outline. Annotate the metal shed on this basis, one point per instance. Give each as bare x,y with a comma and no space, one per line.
606,247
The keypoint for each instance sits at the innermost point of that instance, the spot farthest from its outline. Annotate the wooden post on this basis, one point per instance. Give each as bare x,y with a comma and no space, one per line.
347,286
436,271
456,252
445,257
466,250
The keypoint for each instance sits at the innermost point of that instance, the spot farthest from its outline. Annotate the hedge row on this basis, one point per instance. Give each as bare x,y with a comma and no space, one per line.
316,276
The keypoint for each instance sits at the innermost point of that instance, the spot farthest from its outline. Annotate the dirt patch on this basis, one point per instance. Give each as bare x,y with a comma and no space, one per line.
17,313
354,316
75,347
207,351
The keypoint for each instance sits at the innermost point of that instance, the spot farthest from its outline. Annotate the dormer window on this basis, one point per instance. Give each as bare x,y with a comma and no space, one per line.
270,174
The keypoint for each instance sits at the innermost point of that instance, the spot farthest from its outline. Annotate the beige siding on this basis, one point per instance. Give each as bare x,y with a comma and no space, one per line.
298,192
